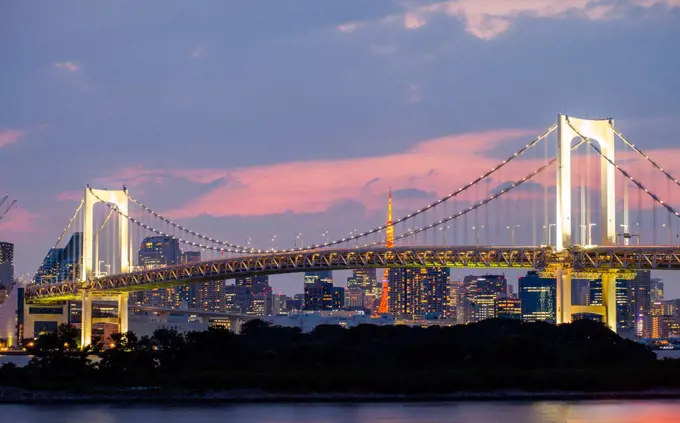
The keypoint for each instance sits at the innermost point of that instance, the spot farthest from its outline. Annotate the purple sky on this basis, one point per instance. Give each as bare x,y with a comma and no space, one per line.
248,119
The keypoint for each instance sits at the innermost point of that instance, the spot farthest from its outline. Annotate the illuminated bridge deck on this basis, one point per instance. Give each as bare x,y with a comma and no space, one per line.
594,260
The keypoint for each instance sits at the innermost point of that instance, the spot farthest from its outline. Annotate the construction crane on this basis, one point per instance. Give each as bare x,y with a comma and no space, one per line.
8,208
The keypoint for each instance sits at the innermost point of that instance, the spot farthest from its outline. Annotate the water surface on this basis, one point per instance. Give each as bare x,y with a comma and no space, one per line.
458,412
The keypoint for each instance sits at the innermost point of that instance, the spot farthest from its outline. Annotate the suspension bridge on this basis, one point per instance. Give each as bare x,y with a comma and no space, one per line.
437,234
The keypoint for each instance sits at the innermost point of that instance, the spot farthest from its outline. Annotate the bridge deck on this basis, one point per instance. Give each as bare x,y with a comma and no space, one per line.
595,259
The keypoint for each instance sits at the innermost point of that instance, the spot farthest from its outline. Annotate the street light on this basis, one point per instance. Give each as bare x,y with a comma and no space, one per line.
444,229
669,232
511,228
476,229
275,244
99,268
550,225
325,235
625,234
590,233
298,236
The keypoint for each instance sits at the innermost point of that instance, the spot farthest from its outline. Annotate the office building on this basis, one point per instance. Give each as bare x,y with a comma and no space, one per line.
354,298
508,308
640,289
418,293
480,295
6,264
155,252
236,299
538,298
624,316
318,290
338,295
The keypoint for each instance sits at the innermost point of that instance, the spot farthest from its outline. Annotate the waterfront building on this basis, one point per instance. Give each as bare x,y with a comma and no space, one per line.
624,315
6,264
538,298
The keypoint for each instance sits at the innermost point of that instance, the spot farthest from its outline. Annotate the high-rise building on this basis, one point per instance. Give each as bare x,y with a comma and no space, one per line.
236,299
154,252
481,293
640,303
187,295
456,295
318,290
538,298
62,264
656,291
580,292
508,308
354,298
624,316
418,292
212,296
255,284
6,264
338,298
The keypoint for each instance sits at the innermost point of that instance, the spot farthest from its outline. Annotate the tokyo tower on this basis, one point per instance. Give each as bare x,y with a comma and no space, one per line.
389,243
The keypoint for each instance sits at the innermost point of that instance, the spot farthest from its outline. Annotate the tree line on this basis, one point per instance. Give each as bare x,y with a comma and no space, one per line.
493,354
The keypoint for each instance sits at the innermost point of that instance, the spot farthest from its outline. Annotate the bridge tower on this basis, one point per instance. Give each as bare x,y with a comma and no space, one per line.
119,199
601,131
389,243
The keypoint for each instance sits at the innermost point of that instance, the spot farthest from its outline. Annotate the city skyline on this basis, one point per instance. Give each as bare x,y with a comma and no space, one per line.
146,115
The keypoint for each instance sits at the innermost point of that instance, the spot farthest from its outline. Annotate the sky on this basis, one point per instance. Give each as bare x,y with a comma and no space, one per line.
260,118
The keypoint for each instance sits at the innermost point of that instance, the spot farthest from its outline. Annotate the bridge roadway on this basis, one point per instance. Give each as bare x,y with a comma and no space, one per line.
595,260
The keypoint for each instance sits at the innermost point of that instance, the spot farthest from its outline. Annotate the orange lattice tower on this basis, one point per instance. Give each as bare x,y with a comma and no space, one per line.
389,243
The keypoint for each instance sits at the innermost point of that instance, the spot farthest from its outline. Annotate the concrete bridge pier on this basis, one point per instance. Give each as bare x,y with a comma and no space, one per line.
123,312
86,319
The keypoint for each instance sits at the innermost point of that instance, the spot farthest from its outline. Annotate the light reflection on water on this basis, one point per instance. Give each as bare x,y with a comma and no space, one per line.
461,412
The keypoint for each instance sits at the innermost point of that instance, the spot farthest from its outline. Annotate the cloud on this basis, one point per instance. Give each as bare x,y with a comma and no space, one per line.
411,193
70,196
67,66
348,28
19,221
487,19
314,185
10,136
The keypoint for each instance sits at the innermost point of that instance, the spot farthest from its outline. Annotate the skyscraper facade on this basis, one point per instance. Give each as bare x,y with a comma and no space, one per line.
418,292
154,252
318,290
62,264
508,308
481,293
6,264
538,298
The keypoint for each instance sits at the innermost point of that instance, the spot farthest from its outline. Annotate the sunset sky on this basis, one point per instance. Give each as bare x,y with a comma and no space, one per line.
255,118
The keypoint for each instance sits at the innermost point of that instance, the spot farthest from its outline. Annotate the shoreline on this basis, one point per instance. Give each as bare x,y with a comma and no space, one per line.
191,398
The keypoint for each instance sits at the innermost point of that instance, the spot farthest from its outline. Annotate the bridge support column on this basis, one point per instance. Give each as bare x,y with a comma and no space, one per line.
123,312
563,295
86,320
609,299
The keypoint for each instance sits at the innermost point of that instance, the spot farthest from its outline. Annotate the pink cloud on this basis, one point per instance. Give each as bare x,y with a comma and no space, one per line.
487,19
19,221
10,136
314,186
67,66
70,196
